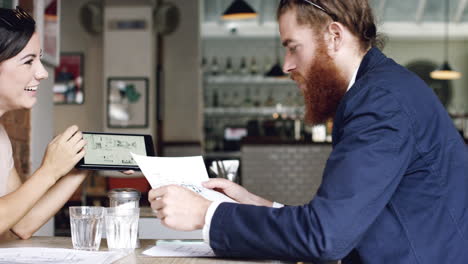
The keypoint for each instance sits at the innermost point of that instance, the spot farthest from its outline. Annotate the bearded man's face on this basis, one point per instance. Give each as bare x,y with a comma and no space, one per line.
308,62
322,86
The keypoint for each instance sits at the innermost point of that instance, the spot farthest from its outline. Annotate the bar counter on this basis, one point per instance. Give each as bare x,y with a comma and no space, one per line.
136,257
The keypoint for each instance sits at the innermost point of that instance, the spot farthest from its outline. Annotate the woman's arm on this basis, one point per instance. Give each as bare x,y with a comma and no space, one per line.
15,205
62,153
49,204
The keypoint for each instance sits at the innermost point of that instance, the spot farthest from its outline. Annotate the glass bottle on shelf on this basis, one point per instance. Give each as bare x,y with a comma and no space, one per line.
214,67
206,99
247,99
225,100
289,101
269,102
215,101
257,99
204,66
229,70
243,67
235,99
253,66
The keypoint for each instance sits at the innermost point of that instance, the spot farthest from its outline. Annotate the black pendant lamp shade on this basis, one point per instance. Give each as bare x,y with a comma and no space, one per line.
445,72
276,71
239,9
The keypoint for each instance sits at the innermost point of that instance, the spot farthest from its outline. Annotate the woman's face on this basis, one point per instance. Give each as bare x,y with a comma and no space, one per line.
20,77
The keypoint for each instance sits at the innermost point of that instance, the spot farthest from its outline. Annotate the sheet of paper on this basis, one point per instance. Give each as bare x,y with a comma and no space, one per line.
180,249
56,255
188,172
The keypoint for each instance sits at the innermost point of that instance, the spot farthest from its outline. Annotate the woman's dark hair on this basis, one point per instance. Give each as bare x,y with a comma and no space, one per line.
356,15
16,29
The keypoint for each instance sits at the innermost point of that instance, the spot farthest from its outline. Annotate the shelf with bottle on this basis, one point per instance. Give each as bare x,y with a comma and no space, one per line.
239,70
246,79
254,111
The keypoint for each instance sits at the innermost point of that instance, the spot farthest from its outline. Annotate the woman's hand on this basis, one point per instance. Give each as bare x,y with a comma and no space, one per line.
236,192
63,152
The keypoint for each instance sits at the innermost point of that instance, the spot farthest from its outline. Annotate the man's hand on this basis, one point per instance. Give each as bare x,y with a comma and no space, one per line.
236,192
178,207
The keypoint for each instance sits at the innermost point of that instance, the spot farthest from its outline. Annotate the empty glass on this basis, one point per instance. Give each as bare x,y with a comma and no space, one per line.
86,226
122,228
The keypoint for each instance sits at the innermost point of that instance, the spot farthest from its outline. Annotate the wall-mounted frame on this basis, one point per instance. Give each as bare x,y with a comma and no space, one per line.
50,10
127,102
69,79
7,3
47,16
29,6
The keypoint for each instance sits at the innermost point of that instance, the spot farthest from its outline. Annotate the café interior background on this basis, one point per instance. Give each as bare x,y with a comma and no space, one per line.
415,31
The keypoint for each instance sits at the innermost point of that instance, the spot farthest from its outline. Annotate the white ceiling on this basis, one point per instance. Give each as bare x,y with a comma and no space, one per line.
397,18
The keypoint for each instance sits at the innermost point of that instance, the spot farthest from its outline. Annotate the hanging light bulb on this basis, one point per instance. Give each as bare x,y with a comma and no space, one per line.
445,72
239,9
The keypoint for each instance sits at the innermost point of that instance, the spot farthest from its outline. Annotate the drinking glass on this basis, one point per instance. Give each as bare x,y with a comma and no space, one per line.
122,228
86,226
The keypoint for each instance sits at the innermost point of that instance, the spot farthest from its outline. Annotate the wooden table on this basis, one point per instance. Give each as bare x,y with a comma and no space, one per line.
136,257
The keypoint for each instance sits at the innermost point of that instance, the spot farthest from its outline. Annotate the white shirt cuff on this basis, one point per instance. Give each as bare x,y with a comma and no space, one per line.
277,205
209,215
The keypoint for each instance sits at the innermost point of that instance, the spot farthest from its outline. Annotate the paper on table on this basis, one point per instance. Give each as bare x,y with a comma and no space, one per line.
189,172
56,255
180,249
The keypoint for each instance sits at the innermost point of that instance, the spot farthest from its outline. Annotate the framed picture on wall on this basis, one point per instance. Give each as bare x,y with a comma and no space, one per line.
7,3
69,78
127,102
46,13
50,12
29,6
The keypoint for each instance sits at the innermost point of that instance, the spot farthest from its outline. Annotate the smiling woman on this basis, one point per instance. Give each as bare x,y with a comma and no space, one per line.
25,207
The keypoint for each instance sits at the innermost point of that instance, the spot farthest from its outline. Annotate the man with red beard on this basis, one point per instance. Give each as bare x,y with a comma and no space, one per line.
394,189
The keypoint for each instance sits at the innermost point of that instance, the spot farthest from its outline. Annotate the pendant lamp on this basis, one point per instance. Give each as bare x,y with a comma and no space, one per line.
276,71
239,9
445,72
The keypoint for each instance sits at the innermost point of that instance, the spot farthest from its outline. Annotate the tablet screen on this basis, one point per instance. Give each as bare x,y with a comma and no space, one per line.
113,150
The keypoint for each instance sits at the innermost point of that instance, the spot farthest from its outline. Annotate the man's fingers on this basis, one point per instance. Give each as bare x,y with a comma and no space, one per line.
216,183
155,193
160,215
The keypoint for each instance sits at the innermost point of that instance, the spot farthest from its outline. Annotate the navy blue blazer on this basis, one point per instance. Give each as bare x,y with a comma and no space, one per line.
394,190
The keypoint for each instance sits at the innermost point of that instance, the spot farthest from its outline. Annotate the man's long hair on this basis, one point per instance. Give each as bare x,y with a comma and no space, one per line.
356,15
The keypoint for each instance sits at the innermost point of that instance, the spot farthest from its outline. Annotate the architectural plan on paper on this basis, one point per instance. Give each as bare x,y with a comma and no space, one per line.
180,249
56,255
188,172
112,149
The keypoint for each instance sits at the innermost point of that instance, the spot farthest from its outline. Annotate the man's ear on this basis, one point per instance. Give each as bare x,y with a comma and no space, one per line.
335,33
